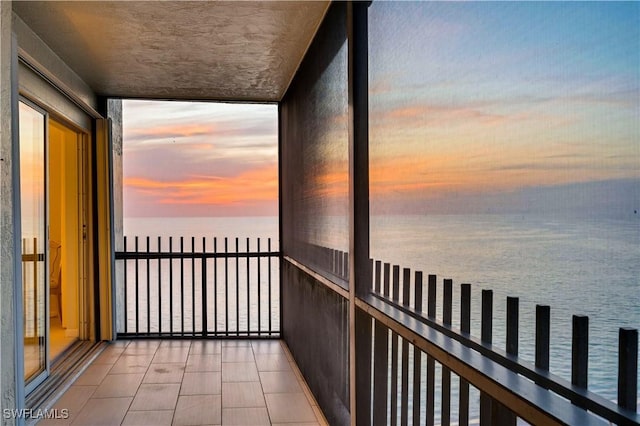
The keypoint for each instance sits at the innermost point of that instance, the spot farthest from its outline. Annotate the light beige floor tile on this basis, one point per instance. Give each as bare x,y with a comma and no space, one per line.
296,424
131,364
201,383
171,355
93,375
107,358
103,411
119,385
156,397
148,418
204,362
272,362
235,343
279,382
72,400
209,347
198,410
237,354
164,373
267,347
142,347
175,343
243,394
289,408
57,422
239,372
245,416
109,352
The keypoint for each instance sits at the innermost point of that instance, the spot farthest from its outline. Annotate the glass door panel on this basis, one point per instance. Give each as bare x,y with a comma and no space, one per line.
34,240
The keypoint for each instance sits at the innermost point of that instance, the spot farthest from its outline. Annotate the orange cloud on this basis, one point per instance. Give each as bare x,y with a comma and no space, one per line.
249,187
444,114
173,131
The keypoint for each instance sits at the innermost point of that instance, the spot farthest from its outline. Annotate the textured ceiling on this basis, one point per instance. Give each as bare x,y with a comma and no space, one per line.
222,50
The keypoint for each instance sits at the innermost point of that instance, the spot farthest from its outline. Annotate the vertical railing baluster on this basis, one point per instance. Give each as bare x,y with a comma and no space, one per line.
486,335
237,286
346,265
159,287
543,327
394,351
378,280
431,363
396,284
204,289
404,400
259,259
465,327
334,262
512,325
215,286
580,351
148,288
226,286
269,284
137,290
193,286
380,374
500,413
182,286
447,305
387,276
126,298
628,369
248,294
417,354
171,287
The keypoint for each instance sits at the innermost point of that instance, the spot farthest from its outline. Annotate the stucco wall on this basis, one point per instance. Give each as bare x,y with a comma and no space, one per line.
114,112
8,374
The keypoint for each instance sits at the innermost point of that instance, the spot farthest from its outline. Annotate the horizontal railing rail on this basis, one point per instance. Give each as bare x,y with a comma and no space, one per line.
412,347
167,290
579,396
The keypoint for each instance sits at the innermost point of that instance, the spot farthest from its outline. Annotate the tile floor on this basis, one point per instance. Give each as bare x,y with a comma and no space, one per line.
212,382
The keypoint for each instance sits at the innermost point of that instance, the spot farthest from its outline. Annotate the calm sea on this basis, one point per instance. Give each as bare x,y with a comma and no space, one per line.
577,266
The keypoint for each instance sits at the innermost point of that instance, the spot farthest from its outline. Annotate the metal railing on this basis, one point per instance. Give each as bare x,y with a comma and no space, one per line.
423,367
197,290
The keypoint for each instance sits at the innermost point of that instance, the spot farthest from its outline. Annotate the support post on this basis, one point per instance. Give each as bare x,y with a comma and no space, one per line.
359,265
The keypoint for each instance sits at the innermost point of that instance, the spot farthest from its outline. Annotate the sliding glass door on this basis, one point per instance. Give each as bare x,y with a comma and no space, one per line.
33,125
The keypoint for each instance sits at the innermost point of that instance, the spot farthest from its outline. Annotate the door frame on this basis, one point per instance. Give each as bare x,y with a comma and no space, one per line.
36,380
86,295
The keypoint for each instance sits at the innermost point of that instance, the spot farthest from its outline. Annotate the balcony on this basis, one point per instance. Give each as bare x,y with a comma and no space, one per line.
189,382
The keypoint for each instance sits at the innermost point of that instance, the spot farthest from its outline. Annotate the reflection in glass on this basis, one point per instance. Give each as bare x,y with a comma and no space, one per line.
32,193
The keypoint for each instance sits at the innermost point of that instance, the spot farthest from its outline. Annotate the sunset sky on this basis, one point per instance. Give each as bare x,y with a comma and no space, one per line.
479,99
200,159
468,101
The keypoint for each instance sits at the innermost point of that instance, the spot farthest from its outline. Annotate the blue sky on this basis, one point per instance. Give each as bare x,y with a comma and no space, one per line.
486,98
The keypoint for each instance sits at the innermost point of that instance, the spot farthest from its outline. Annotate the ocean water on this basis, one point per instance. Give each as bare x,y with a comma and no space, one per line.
576,265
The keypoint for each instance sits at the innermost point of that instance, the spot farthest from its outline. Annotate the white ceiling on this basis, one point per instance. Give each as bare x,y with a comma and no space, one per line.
216,50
